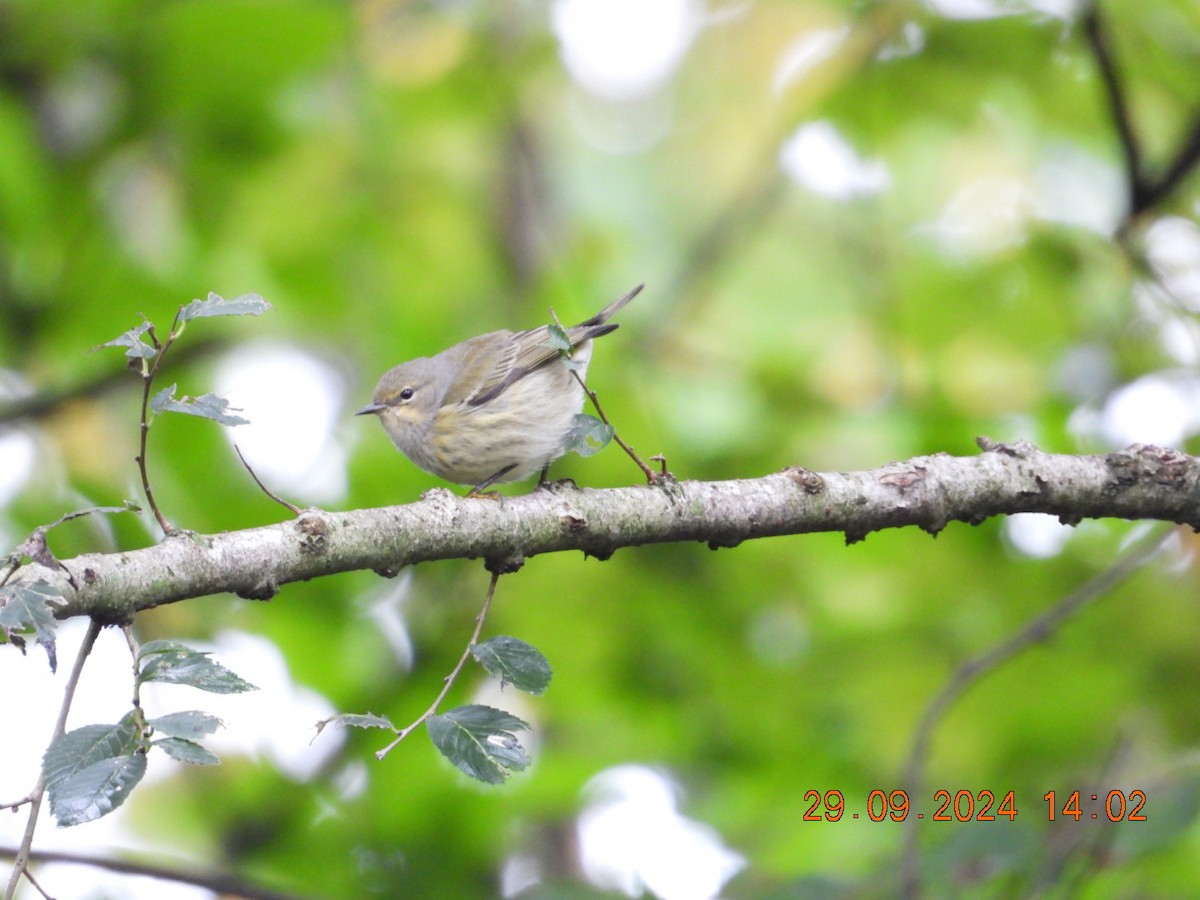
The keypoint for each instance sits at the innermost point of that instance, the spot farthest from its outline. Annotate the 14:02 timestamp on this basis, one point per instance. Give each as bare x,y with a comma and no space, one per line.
1118,806
977,806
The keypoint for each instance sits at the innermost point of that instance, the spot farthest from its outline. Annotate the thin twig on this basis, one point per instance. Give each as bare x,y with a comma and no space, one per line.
973,670
1097,39
1184,162
21,861
295,509
17,804
651,475
1144,192
36,886
1077,841
449,679
148,373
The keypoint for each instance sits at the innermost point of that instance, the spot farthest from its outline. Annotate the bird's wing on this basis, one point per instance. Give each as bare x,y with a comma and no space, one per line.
516,357
528,351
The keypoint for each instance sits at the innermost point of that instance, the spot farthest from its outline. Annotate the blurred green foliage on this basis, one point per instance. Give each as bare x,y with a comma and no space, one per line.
396,176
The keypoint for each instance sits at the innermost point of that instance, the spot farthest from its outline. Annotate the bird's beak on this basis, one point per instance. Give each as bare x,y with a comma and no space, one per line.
371,408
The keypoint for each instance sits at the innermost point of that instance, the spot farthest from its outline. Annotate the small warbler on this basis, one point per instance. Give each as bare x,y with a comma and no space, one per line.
495,408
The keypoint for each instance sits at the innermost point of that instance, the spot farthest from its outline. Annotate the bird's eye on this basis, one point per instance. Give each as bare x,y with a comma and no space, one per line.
406,394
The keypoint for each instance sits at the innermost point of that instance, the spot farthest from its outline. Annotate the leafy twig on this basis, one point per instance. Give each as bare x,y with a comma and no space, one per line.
559,339
60,726
147,358
449,679
148,373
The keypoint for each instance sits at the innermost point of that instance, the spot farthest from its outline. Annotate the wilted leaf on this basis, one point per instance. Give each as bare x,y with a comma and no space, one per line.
30,606
131,340
129,506
588,435
479,740
174,663
357,720
206,406
188,752
188,725
216,305
517,663
36,548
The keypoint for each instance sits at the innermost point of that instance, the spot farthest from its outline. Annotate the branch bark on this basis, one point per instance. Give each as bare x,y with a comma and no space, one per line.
929,492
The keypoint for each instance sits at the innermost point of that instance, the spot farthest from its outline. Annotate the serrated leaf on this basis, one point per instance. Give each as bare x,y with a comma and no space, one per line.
83,746
479,740
515,662
131,340
188,752
357,720
96,790
588,435
30,606
216,305
169,662
187,725
206,406
558,338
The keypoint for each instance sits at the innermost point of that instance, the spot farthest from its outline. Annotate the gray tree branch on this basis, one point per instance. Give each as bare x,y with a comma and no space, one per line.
1141,482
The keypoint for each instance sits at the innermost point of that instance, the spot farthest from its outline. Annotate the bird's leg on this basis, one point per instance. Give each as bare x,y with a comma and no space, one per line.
478,490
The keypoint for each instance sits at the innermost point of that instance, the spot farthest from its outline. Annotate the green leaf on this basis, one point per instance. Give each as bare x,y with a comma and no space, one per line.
96,790
188,752
216,305
81,747
574,365
206,406
558,338
30,606
89,771
131,340
588,435
515,662
153,648
170,662
479,740
188,725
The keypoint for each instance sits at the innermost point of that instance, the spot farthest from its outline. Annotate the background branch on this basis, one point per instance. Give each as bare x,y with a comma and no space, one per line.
1037,630
220,883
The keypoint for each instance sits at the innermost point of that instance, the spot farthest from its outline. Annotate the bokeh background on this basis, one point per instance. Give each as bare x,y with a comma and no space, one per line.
868,230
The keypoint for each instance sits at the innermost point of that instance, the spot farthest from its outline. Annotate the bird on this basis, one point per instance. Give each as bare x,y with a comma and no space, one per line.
495,408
